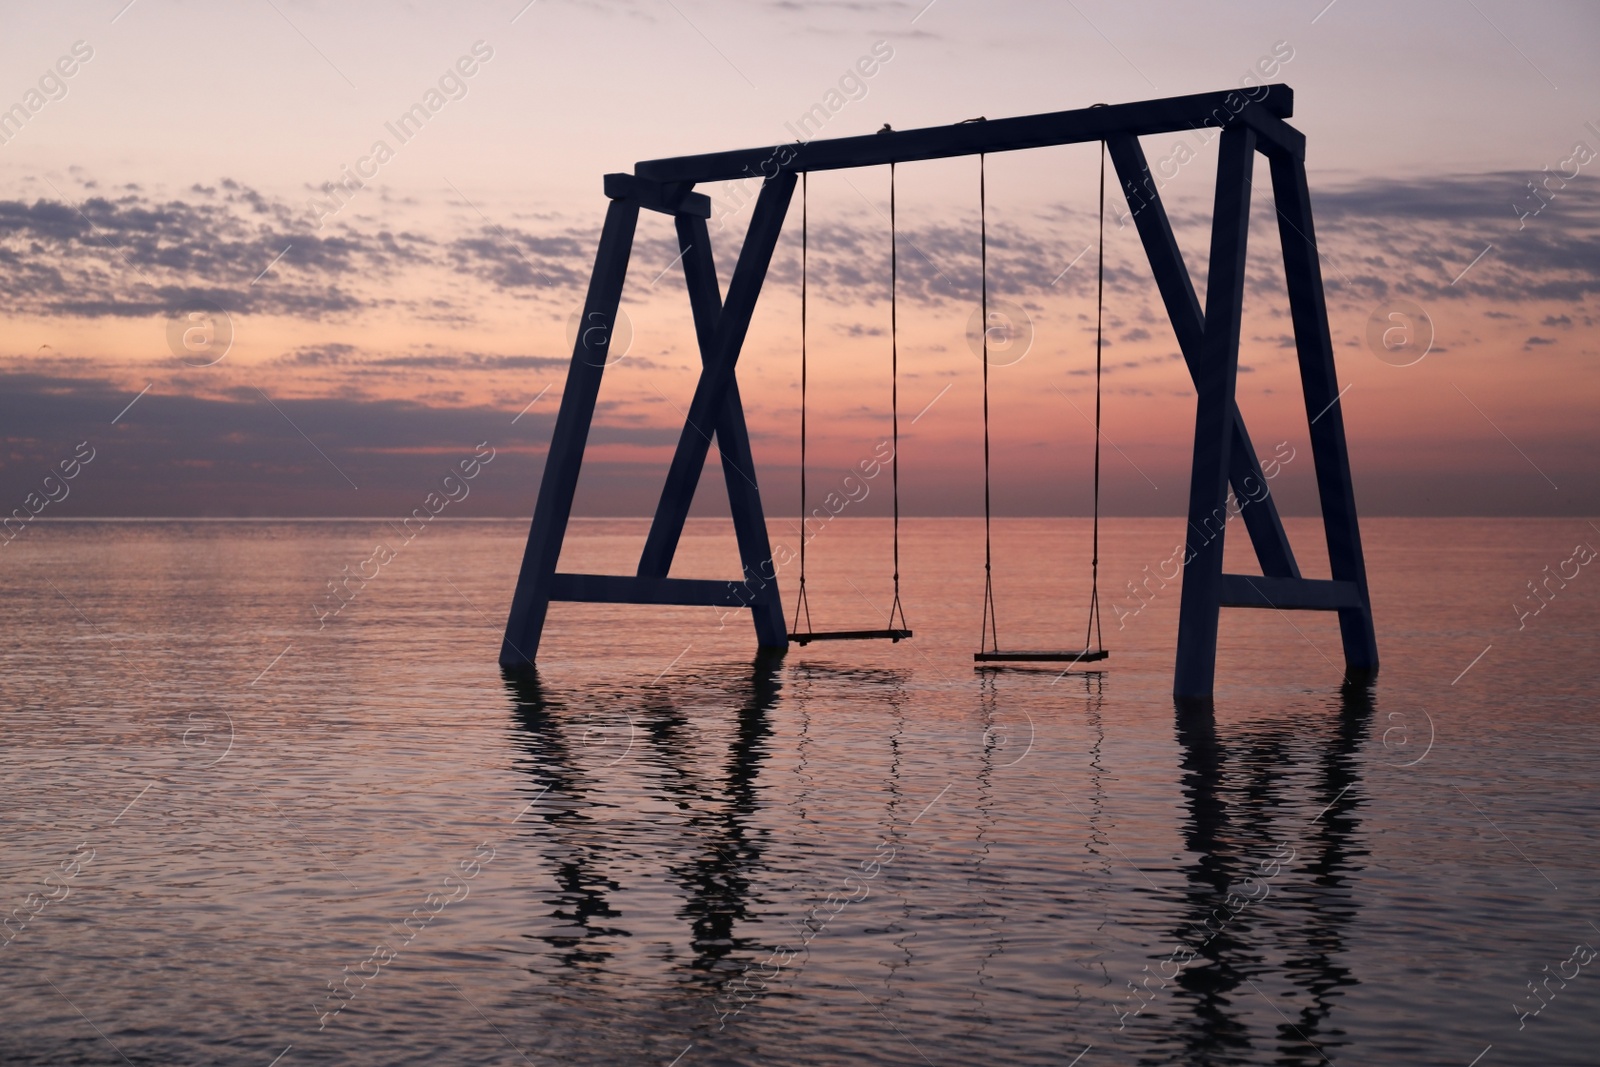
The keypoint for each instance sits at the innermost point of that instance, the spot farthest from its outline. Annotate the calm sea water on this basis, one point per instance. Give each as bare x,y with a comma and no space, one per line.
231,835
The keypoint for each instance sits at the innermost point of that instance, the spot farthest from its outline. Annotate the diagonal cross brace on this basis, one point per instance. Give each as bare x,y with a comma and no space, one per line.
535,580
729,431
710,407
1189,324
733,444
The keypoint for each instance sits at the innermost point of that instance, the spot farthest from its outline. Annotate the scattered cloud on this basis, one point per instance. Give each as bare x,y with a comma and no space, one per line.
133,253
246,455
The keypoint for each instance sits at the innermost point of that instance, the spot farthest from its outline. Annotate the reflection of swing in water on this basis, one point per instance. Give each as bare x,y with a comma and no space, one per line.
1236,824
579,920
723,857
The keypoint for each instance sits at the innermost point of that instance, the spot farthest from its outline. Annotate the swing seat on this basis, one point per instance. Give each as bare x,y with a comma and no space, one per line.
802,605
848,635
1082,656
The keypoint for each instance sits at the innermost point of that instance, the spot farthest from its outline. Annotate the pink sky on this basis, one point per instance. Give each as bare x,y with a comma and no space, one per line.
189,151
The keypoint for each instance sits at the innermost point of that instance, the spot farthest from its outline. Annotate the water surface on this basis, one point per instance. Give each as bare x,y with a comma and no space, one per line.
233,833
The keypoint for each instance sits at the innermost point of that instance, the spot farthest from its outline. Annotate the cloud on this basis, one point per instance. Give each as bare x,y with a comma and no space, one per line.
248,454
325,355
1454,199
1460,237
136,253
515,260
134,256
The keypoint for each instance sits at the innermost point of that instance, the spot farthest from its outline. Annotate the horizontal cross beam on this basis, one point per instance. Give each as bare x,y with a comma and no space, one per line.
627,589
1263,112
1288,594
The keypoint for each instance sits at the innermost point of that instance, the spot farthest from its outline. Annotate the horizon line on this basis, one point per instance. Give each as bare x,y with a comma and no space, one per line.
707,518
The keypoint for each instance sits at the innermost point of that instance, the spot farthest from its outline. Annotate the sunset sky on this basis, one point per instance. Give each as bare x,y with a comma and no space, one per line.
378,337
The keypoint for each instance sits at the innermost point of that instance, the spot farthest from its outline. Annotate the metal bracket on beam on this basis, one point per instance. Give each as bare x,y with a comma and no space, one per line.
669,198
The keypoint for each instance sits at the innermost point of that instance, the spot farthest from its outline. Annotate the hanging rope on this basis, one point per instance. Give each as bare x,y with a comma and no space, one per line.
801,604
894,398
989,637
1099,315
990,631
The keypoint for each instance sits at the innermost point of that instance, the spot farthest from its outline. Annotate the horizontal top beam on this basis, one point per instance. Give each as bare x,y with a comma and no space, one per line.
1270,103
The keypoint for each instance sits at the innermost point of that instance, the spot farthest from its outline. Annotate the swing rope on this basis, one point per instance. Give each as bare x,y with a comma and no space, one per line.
894,399
1099,315
990,631
802,604
989,637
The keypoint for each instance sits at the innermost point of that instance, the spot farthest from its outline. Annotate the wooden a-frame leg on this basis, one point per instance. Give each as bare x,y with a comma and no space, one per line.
1215,381
531,600
1309,310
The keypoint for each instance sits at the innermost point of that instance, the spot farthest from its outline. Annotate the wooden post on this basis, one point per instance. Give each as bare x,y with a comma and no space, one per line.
1215,379
1309,311
531,600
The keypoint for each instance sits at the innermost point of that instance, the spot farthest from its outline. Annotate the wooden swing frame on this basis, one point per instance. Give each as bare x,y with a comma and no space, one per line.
1250,121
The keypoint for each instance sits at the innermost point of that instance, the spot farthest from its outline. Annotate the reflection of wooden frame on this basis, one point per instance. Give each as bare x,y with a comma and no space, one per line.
1209,339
